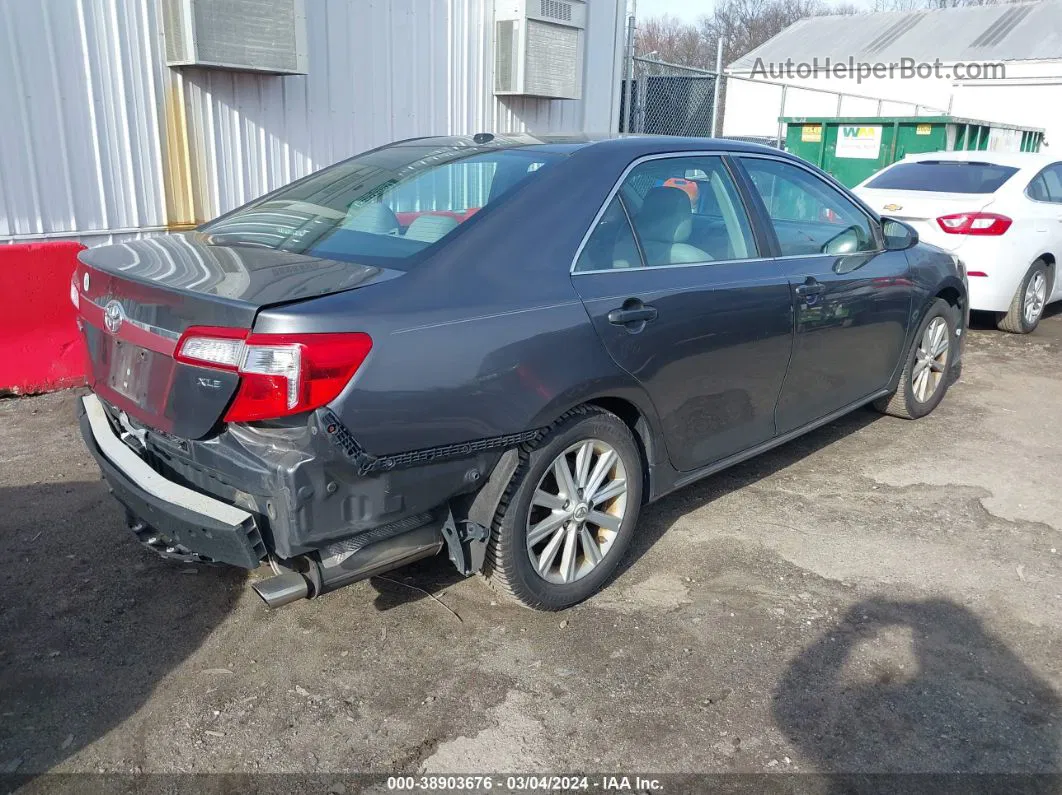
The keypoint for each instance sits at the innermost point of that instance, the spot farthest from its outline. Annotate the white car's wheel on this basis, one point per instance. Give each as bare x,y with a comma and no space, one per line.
1027,306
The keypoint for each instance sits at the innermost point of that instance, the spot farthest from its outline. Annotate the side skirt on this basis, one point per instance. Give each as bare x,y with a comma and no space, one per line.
686,478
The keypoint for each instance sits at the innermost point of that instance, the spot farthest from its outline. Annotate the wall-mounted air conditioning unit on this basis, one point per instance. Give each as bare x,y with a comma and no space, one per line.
248,35
539,48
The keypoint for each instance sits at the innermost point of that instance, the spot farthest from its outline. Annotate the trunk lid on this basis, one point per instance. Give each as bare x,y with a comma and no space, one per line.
921,209
135,300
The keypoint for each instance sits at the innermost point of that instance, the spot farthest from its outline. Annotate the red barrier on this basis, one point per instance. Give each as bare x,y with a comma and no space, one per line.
40,346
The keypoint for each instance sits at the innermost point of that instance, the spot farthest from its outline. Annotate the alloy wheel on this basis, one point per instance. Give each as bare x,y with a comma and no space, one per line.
576,511
1035,297
931,360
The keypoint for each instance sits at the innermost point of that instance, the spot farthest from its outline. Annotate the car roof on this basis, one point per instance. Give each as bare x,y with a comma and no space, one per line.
1021,160
636,145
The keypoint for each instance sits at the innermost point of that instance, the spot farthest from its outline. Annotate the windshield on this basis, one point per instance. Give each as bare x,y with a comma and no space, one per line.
944,176
391,203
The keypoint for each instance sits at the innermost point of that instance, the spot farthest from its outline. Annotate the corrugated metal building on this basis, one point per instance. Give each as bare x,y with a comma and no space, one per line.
101,139
1024,38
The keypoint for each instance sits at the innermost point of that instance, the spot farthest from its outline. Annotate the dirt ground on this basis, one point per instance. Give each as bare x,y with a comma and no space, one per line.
879,595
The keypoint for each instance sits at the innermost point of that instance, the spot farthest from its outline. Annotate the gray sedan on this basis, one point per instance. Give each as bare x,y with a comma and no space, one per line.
498,348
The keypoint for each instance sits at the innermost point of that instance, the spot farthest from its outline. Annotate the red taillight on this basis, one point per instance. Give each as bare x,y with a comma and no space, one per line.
974,224
976,273
280,374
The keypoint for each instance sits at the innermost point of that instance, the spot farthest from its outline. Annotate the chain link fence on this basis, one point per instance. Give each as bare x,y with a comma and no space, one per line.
661,98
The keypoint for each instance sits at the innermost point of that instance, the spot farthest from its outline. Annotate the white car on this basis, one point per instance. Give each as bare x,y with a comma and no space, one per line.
999,212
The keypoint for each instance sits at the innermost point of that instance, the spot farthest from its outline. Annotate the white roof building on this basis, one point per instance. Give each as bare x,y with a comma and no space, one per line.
1000,63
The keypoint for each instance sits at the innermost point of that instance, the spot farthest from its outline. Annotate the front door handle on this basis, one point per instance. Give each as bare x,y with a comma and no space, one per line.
810,287
632,312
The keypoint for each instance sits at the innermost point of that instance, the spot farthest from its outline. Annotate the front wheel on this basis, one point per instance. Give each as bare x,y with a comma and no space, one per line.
569,512
925,374
1027,306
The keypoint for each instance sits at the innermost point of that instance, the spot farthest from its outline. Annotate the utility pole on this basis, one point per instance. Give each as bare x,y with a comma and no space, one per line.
628,93
716,86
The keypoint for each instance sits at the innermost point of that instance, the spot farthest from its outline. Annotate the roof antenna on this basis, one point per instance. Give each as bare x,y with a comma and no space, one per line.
483,138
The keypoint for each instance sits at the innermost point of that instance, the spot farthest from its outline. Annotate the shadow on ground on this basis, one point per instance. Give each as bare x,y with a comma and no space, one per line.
658,518
899,687
421,580
986,321
90,623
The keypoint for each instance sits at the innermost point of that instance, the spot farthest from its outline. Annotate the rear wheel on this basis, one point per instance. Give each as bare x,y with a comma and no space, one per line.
925,374
1027,306
568,514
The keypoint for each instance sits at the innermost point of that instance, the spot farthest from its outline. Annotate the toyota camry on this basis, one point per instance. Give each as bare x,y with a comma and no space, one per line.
496,348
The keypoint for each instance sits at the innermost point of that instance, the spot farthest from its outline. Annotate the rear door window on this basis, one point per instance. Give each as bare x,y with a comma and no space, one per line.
1047,185
1053,178
1037,190
612,244
944,176
686,210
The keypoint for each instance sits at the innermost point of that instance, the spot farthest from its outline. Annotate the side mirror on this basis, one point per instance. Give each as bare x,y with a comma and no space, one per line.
898,235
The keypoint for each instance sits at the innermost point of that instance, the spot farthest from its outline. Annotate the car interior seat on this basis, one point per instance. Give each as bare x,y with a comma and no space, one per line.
664,224
429,228
376,218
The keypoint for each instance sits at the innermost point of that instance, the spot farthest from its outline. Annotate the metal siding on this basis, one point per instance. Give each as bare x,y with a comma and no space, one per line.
99,136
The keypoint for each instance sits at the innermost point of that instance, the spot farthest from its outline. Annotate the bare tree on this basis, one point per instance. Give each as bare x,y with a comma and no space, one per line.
742,24
669,39
746,24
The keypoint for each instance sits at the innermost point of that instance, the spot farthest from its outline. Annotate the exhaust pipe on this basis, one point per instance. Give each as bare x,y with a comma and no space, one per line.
367,561
283,589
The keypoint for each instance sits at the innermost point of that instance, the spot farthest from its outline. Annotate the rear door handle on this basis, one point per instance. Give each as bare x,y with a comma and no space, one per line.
810,287
632,313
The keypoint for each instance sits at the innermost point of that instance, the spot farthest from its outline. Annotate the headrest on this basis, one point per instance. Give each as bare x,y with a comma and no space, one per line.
666,216
429,228
376,217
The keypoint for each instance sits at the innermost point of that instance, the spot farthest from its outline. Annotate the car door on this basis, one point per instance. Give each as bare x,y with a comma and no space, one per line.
1045,206
851,299
684,302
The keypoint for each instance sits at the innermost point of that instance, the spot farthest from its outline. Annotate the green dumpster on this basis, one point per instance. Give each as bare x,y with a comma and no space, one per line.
853,148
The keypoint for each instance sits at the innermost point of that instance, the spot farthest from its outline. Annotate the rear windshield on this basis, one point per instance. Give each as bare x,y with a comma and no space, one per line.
944,176
389,204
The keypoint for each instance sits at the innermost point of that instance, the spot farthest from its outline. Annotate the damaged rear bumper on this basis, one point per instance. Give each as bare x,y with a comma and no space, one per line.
291,495
167,516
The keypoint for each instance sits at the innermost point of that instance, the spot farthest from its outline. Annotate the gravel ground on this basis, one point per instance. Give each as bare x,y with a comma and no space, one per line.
879,595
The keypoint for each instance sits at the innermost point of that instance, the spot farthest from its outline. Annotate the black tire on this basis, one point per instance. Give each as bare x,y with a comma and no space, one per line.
509,568
1014,320
904,402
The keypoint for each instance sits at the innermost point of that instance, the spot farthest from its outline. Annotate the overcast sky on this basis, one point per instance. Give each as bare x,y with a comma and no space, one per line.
692,10
686,10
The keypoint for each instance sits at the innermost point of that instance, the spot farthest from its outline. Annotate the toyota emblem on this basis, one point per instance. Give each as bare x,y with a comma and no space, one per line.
113,316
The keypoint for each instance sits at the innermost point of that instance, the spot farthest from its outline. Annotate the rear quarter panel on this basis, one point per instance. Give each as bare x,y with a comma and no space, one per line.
487,336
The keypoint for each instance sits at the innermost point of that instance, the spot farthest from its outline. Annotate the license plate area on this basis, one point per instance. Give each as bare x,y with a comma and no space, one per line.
129,372
138,375
155,389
